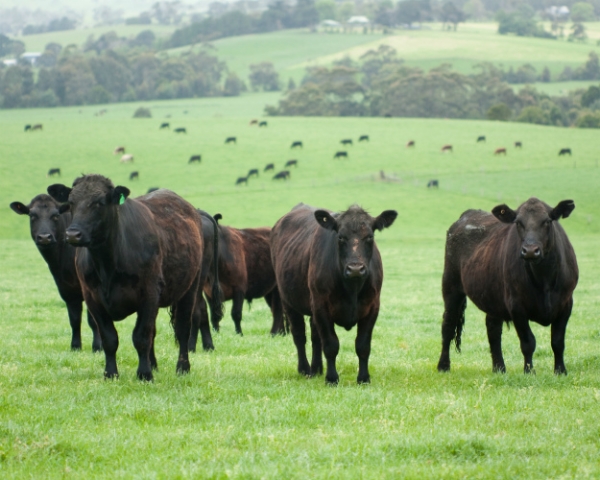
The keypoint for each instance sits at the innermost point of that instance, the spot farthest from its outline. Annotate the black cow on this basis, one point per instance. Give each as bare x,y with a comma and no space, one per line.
564,151
410,144
135,256
253,172
241,180
27,127
346,141
340,154
518,144
165,125
481,138
363,138
297,144
47,228
180,130
516,266
37,126
433,183
328,267
262,124
195,158
53,171
291,163
231,140
270,166
283,175
134,175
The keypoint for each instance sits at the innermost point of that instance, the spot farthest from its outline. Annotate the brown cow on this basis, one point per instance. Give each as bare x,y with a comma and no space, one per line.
516,266
118,150
447,148
500,150
328,267
37,126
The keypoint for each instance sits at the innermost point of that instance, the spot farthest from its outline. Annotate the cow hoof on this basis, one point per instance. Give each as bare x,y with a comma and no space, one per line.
364,380
111,375
209,348
443,367
560,371
96,348
499,369
183,367
332,380
145,376
316,370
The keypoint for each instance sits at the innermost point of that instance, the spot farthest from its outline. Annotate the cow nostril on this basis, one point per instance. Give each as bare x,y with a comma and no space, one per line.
537,252
523,251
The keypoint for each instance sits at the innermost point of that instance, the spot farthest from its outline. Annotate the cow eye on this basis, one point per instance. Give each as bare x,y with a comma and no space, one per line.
54,217
341,240
33,216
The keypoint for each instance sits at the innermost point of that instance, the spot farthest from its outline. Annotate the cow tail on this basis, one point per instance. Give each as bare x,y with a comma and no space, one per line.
216,300
460,324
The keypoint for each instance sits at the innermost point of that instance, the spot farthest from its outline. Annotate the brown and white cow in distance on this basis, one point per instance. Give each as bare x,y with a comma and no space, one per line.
328,268
515,266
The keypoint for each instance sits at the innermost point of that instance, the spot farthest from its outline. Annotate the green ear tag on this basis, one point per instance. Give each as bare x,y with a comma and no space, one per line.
121,199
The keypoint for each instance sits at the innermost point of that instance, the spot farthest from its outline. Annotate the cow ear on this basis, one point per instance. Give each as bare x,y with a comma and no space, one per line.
217,217
119,194
504,213
19,208
385,220
59,192
563,209
326,220
65,207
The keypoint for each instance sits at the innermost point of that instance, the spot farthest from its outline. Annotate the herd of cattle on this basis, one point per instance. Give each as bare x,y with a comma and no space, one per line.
126,255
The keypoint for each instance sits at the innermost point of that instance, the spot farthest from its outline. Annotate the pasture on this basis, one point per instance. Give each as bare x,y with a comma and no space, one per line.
243,411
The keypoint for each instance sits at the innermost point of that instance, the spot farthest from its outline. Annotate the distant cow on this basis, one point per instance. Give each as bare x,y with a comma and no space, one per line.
47,227
481,138
433,183
262,124
37,126
363,138
195,158
134,175
180,130
297,144
388,115
447,148
410,144
118,150
127,158
564,151
231,140
500,150
27,127
142,254
341,154
253,172
241,180
254,121
515,266
346,141
165,125
283,175
328,268
53,171
518,144
291,163
270,166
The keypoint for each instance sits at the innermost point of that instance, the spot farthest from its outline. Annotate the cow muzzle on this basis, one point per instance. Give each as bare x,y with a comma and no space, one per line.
74,236
531,252
355,270
44,239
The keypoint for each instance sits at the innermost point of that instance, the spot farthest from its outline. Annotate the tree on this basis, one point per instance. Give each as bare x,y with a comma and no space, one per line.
534,114
305,13
590,96
578,32
545,75
142,112
327,9
588,120
582,12
499,111
408,12
233,85
263,76
452,15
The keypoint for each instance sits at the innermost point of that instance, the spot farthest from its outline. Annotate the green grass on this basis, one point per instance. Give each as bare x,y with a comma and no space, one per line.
243,411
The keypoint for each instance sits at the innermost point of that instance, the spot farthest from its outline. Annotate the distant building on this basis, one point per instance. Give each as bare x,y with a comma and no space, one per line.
558,11
10,62
31,57
358,20
330,23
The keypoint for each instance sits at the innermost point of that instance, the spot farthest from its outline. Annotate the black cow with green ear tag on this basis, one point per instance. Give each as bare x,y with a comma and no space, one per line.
135,256
328,267
516,266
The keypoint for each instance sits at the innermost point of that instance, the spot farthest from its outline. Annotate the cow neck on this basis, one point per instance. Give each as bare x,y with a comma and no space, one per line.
104,252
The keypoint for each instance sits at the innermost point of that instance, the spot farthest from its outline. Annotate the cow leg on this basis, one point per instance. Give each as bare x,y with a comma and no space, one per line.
557,332
96,339
236,311
108,335
316,364
153,362
527,340
143,336
331,345
74,310
494,333
274,301
299,335
204,325
183,324
363,346
454,319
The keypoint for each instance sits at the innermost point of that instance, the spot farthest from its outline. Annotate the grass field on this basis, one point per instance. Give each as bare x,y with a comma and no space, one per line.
243,411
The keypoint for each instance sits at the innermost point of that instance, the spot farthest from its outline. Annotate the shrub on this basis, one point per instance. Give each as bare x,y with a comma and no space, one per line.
588,120
142,112
500,111
534,115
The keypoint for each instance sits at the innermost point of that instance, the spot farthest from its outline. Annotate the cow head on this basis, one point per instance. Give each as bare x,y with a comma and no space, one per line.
45,223
93,202
533,221
354,229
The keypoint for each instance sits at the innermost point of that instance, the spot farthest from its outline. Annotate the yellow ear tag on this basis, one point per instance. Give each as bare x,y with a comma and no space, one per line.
121,199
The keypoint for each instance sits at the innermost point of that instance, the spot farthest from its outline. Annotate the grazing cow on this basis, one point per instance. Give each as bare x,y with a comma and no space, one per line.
241,180
47,228
231,140
564,151
254,121
340,154
180,130
433,183
27,127
118,150
53,171
246,273
165,125
283,175
297,144
135,256
388,115
410,144
481,138
515,266
447,148
253,172
346,141
363,138
134,175
262,124
37,126
500,150
270,166
518,144
127,158
195,158
328,267
291,163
